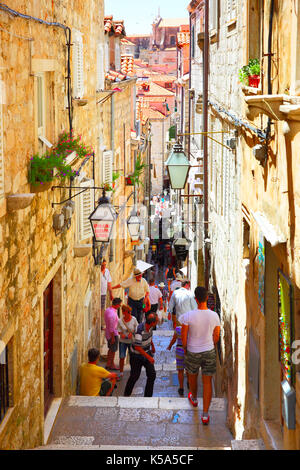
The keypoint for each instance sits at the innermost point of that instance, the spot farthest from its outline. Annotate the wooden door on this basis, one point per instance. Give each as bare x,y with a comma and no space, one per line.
48,346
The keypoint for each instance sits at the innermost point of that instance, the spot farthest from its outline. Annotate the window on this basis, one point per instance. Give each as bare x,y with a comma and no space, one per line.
1,150
246,239
107,167
231,10
107,62
100,67
254,29
117,56
193,41
85,206
78,83
5,379
213,15
172,40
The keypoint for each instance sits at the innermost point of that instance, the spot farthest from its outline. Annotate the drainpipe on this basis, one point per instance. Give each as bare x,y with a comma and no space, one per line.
205,139
270,54
112,146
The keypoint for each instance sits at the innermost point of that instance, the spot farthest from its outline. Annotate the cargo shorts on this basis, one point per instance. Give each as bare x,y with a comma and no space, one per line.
207,360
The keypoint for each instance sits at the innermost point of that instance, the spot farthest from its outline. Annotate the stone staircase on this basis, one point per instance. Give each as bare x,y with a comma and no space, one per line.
138,423
162,422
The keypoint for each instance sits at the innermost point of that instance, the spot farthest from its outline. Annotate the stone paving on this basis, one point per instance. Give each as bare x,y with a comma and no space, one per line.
164,421
151,422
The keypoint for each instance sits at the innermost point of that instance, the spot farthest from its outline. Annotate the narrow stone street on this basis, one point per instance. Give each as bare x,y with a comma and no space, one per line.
162,421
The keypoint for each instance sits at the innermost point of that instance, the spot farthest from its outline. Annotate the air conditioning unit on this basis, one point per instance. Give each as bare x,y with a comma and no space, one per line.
231,142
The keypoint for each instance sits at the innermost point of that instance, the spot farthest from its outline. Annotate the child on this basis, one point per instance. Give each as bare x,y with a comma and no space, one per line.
179,357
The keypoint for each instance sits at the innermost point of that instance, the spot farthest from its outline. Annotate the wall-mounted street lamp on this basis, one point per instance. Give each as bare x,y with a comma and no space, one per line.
102,220
134,224
182,246
178,167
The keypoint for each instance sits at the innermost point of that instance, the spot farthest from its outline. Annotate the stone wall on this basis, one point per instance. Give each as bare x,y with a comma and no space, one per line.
32,255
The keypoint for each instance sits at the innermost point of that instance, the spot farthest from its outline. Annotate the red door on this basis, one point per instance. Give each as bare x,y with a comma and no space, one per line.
48,346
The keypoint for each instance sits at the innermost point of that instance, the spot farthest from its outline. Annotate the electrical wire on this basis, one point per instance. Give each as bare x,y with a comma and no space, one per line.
238,122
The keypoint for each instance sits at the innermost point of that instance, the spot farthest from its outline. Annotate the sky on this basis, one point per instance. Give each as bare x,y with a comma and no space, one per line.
138,14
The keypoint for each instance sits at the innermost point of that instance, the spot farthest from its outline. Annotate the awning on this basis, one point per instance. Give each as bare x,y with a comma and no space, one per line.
271,233
142,266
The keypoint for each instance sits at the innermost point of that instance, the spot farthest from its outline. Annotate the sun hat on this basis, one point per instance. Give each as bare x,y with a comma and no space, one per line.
137,272
179,277
162,284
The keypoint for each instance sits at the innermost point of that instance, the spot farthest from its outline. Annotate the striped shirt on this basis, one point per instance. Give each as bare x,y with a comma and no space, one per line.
143,338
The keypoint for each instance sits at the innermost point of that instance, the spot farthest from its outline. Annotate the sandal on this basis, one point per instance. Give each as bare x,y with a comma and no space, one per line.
205,419
192,400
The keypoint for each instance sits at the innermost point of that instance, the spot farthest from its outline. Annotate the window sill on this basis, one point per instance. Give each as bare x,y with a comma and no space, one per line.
213,36
249,90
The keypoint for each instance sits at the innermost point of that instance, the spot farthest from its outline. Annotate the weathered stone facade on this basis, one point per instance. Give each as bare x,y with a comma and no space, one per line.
253,211
33,256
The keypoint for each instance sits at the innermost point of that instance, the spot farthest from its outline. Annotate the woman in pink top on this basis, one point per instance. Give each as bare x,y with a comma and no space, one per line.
111,332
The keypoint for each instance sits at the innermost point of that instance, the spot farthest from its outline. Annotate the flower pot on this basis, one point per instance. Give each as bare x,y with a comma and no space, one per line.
40,187
128,181
254,81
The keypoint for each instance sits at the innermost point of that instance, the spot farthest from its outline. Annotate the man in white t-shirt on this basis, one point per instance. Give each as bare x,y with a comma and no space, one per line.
200,332
155,297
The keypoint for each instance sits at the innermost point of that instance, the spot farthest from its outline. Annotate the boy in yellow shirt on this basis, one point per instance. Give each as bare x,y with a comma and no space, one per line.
95,380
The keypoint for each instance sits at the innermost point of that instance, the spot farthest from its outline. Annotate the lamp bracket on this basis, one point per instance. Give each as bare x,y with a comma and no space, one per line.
74,195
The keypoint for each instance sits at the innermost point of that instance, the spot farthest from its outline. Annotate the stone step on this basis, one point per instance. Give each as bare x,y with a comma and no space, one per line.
116,447
129,423
163,403
248,444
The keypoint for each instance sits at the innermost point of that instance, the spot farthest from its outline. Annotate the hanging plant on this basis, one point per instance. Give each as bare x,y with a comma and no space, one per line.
68,143
41,169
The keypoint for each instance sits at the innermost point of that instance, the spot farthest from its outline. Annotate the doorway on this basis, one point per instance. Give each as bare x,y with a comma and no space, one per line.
48,346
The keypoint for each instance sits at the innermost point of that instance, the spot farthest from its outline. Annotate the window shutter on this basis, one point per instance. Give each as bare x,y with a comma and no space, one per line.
78,84
100,67
213,14
1,150
117,56
231,9
107,167
86,207
107,62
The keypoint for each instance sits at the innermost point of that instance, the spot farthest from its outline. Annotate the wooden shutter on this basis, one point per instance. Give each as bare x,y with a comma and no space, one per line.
86,207
78,83
117,56
100,67
213,14
231,9
1,150
107,167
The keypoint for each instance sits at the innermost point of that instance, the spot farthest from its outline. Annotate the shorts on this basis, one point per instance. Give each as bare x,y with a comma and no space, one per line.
103,302
207,360
123,349
179,358
113,347
105,386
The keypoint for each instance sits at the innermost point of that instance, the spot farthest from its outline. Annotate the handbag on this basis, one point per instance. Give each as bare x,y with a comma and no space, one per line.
129,331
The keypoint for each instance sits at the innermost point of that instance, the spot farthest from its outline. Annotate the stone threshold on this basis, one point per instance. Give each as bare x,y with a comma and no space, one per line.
50,418
163,403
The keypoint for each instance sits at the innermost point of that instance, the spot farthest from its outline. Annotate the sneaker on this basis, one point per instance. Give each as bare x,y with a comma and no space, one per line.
192,400
205,419
181,392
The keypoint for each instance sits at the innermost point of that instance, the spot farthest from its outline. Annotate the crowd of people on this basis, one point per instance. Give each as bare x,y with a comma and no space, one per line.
196,333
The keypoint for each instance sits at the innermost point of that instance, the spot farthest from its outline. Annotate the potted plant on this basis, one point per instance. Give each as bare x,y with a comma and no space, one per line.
42,171
139,167
44,168
116,175
249,74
